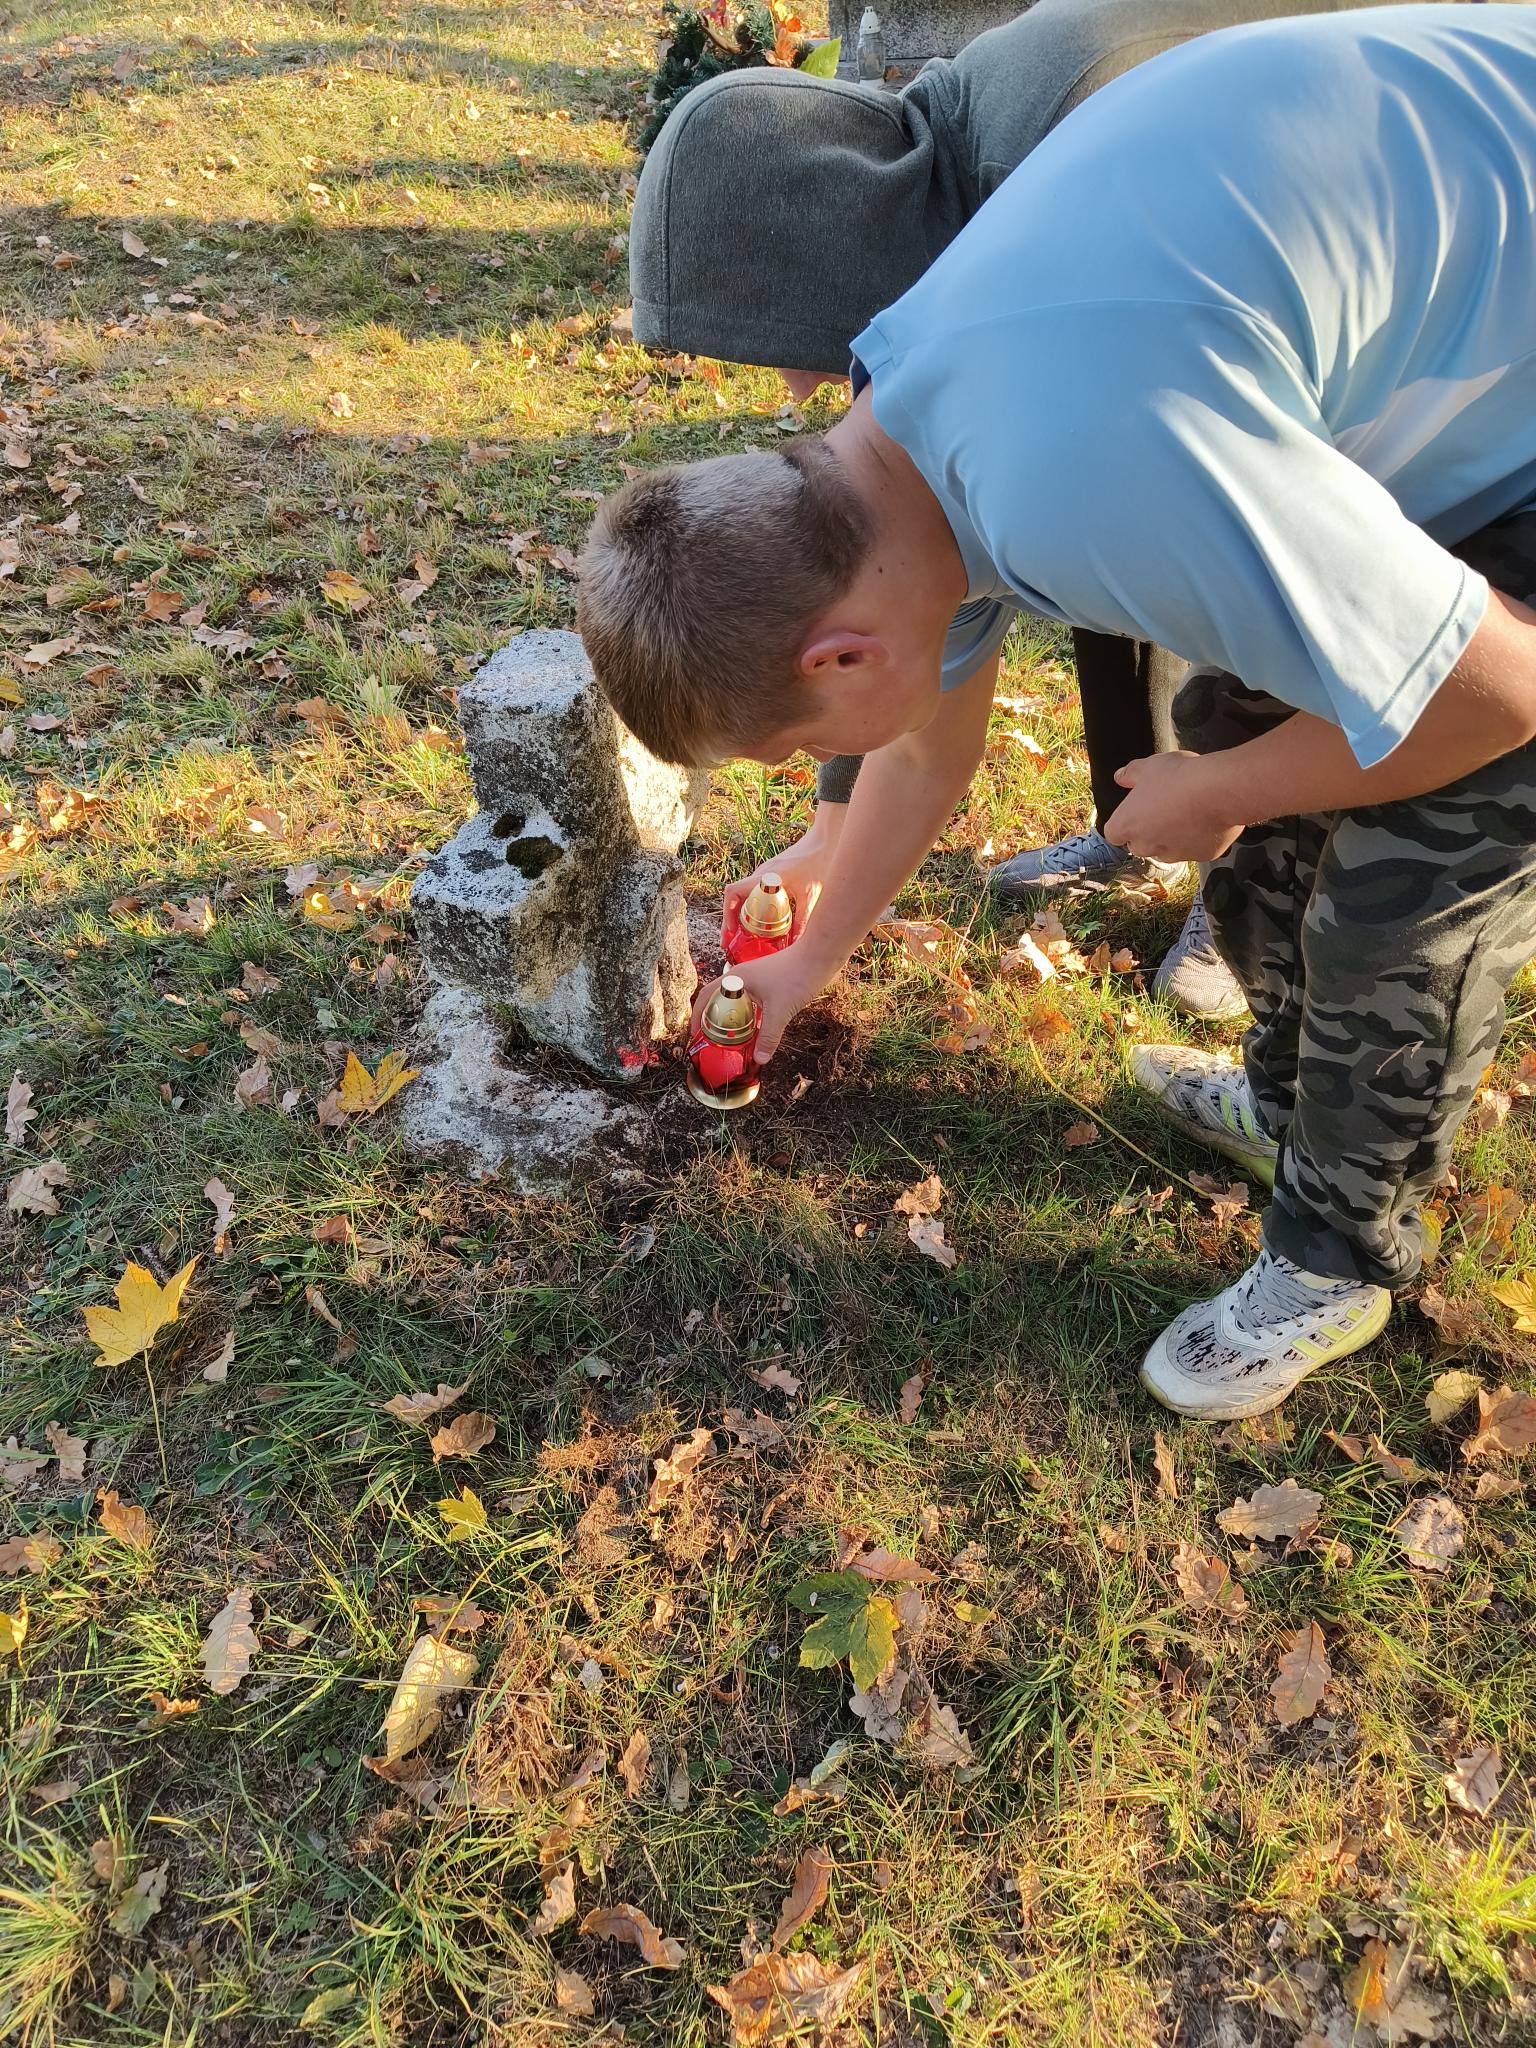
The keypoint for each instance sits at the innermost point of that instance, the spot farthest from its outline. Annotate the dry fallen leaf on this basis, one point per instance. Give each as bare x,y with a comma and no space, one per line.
1473,1781
1382,1991
1450,1394
253,1085
433,1673
18,1109
1506,1422
418,1407
141,1902
1455,1321
1207,1583
884,1566
466,1434
1272,1511
1084,1133
807,1895
31,1192
1228,1199
70,1452
635,1763
359,1093
671,1473
936,1740
1431,1531
923,1198
558,1877
774,1379
143,1309
1167,1473
926,1234
223,1212
573,1994
409,589
912,1391
1304,1673
780,1997
628,1923
32,1553
216,1371
171,1710
127,1524
13,1630
230,1643
1518,1295
341,587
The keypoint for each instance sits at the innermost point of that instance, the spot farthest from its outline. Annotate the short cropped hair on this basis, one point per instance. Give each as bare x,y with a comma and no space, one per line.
697,588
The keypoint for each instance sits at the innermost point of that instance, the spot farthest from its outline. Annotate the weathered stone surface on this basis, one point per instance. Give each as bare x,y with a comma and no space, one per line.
562,896
915,30
474,1105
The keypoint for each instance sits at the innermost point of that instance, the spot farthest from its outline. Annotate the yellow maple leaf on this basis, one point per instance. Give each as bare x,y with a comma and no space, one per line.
465,1515
1520,1295
361,1093
320,909
143,1308
13,1629
342,588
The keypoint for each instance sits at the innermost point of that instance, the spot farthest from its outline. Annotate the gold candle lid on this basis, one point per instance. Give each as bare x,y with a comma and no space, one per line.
731,1015
768,912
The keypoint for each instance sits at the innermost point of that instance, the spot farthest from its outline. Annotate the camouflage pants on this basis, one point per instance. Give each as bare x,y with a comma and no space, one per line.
1375,947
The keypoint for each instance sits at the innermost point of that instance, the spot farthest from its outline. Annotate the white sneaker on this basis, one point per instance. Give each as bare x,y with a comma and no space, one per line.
1208,1097
1242,1353
1077,866
1194,978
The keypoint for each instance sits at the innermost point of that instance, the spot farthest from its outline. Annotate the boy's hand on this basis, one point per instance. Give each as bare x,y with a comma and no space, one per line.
1174,811
781,983
801,867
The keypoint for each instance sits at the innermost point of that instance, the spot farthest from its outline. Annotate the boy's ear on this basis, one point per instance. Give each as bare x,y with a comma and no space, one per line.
833,651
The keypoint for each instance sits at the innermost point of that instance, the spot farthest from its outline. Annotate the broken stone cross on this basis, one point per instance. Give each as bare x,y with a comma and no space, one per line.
562,897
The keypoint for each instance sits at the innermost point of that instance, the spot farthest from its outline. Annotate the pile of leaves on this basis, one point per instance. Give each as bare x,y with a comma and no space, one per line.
704,42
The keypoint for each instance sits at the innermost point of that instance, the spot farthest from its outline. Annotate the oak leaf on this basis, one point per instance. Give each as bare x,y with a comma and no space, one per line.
69,1450
1382,1991
926,1234
417,1407
461,1438
635,1763
911,1396
807,1895
32,1553
628,1923
1084,1133
230,1643
18,1109
143,1309
1304,1673
1272,1511
936,1739
141,1902
923,1198
671,1473
31,1192
1472,1783
1431,1531
223,1212
780,1997
559,1903
1167,1472
1207,1583
126,1524
253,1085
409,589
573,1994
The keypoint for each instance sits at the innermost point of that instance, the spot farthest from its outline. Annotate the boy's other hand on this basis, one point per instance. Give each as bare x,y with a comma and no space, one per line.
802,868
1174,810
780,984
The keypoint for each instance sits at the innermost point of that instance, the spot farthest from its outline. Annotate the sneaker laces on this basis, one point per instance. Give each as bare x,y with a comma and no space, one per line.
1203,1093
1196,936
1082,850
1273,1291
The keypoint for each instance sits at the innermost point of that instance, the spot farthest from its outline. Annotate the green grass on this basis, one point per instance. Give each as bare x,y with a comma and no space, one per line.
1142,1855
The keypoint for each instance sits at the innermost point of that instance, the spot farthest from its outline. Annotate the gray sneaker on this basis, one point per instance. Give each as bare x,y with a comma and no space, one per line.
1194,978
1077,866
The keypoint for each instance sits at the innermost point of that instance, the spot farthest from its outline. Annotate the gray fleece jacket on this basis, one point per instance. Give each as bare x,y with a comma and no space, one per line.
777,214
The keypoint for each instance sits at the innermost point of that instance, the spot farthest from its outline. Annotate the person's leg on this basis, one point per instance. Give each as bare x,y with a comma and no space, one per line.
1253,897
1419,916
1113,684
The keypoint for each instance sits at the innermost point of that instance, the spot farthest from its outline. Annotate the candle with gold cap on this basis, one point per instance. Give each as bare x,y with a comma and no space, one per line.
763,924
722,1073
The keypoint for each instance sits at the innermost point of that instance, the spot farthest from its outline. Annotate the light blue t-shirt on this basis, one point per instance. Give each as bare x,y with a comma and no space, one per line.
1238,350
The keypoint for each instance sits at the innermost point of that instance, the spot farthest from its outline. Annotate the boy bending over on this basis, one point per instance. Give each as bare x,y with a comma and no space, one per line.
1240,361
